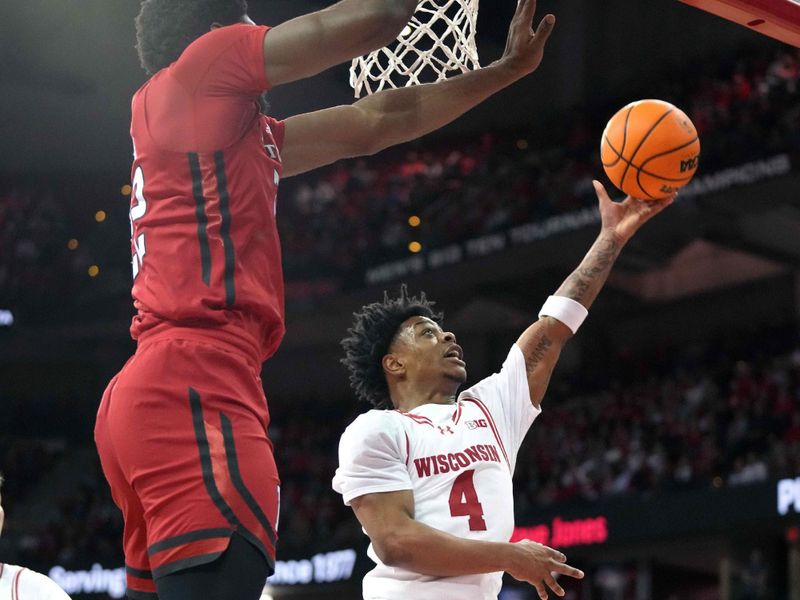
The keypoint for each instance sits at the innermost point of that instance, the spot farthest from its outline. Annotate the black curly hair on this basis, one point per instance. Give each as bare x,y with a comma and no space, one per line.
164,28
368,341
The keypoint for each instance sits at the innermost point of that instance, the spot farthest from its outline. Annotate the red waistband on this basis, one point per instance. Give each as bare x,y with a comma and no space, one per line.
227,338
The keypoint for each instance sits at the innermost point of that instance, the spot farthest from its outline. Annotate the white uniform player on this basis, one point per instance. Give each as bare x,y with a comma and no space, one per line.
19,583
428,473
458,459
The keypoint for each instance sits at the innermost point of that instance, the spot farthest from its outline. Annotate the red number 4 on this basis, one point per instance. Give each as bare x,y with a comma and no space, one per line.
464,501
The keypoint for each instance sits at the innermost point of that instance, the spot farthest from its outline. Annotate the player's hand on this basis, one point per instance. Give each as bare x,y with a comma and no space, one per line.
623,219
537,564
524,47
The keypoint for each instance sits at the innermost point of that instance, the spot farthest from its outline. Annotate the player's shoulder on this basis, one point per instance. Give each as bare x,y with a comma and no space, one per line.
375,420
219,39
513,368
374,427
31,584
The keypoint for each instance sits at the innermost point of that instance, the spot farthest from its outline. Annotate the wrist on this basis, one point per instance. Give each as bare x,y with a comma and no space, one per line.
513,557
611,234
510,68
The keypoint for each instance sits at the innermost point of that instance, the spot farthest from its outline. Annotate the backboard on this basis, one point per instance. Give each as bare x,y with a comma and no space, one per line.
779,19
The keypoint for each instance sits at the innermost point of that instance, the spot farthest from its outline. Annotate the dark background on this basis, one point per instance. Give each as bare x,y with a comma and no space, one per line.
709,285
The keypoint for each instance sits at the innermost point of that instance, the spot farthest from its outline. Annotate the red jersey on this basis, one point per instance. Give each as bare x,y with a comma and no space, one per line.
205,175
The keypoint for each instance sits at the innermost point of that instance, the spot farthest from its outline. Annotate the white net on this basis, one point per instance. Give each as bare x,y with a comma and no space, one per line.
439,41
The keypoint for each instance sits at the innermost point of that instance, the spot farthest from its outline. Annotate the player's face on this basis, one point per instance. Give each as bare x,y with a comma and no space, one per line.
429,353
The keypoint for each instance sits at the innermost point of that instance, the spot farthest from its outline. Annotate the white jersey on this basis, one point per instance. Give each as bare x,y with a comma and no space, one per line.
458,460
19,583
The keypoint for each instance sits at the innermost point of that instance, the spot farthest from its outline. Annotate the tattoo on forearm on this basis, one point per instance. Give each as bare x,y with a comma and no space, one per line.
536,356
585,282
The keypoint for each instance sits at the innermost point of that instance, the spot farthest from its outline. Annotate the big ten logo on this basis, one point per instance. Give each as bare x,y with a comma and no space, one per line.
477,424
788,496
690,164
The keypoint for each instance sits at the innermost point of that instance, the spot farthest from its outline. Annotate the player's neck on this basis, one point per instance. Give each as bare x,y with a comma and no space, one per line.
406,396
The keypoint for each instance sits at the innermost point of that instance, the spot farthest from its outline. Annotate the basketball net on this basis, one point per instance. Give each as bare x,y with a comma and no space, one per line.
438,41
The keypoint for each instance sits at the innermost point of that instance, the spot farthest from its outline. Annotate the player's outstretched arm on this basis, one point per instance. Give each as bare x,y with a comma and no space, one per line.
392,117
542,342
317,41
401,541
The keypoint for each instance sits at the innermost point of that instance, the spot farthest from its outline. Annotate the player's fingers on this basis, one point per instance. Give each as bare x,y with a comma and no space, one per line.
553,585
523,10
541,590
567,570
528,10
556,555
544,29
601,192
653,207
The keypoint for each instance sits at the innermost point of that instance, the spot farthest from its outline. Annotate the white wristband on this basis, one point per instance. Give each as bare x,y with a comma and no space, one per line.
570,313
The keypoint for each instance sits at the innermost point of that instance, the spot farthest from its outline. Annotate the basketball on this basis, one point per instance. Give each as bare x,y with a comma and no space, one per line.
650,149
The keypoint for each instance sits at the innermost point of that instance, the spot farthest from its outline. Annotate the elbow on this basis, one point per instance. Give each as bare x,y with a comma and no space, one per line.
371,135
371,147
394,550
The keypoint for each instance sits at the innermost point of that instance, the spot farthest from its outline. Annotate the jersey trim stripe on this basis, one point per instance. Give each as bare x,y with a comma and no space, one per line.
185,538
15,588
422,420
202,218
457,414
225,228
490,419
238,482
139,573
211,485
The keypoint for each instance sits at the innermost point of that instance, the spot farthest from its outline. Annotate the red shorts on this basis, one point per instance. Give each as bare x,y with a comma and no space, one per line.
182,437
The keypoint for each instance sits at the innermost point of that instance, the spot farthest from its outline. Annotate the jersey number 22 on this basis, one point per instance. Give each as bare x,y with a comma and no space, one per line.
137,212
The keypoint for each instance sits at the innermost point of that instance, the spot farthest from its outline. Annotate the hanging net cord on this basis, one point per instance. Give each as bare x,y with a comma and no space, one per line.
438,41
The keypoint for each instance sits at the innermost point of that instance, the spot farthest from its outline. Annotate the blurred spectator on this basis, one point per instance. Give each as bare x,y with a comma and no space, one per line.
355,214
754,578
339,221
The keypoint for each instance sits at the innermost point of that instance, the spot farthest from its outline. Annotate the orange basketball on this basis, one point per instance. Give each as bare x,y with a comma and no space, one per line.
650,149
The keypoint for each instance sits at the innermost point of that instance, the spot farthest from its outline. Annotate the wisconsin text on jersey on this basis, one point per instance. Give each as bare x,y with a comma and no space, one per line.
455,461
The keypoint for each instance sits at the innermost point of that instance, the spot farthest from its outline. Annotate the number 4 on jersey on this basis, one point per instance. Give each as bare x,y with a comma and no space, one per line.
464,501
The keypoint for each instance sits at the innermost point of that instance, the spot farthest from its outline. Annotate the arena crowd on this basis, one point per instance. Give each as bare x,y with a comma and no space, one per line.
709,416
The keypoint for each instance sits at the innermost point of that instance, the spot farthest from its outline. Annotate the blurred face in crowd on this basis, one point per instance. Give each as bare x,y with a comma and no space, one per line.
426,356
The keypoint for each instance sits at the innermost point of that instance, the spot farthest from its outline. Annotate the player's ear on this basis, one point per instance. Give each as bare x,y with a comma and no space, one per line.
393,365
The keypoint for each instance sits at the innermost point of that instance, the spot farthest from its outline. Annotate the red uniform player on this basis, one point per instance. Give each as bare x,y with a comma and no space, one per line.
182,429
